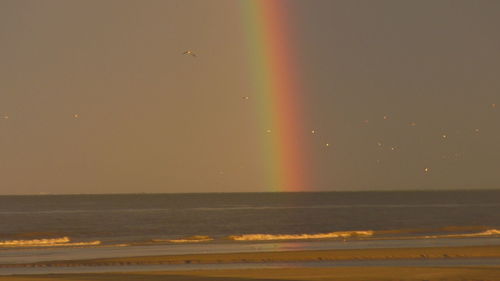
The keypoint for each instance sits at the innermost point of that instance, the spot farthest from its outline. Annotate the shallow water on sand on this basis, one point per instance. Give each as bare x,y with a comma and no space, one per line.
317,264
51,254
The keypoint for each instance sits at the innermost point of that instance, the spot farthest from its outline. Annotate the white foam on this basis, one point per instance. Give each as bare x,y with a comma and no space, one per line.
49,242
489,232
193,239
267,237
190,240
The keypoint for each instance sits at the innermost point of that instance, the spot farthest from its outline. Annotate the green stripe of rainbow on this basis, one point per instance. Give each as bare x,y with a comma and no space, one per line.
275,83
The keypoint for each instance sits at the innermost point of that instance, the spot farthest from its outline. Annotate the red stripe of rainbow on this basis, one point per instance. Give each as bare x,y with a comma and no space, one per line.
279,100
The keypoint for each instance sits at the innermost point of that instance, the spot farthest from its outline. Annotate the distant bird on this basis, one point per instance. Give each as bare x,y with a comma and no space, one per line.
245,97
189,53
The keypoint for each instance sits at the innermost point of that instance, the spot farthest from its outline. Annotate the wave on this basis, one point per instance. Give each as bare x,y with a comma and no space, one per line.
192,239
379,234
489,232
26,240
269,237
49,242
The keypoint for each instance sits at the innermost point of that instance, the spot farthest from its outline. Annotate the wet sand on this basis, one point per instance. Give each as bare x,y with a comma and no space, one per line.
477,273
310,274
285,256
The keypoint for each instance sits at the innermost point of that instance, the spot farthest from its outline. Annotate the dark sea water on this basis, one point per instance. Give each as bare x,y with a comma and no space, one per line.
227,217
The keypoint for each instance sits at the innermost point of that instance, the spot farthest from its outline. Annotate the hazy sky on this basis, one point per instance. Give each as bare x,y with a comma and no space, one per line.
150,119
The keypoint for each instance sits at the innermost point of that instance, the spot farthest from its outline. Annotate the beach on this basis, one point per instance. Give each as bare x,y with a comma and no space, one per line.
226,140
294,270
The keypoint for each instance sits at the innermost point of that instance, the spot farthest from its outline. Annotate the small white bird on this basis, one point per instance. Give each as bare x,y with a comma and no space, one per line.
189,53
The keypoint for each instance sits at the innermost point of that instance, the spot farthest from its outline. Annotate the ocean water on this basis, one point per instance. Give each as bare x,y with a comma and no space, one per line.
222,218
68,227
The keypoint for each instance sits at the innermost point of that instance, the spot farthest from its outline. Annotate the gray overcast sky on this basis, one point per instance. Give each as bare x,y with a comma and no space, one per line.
153,120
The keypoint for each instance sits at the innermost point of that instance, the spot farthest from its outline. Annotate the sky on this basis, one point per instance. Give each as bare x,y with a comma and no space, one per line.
98,97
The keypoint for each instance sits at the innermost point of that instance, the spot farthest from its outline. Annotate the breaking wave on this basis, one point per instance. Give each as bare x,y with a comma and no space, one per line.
192,239
268,237
449,232
49,242
486,233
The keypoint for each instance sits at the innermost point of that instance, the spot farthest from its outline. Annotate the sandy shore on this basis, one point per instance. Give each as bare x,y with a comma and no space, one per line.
309,274
355,273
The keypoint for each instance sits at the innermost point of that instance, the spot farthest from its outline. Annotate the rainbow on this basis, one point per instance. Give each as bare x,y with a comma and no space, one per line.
279,101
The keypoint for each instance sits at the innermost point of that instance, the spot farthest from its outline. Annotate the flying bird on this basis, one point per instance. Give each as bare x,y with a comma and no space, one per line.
189,53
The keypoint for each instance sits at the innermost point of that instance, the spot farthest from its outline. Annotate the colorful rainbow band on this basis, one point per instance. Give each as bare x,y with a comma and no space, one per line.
279,96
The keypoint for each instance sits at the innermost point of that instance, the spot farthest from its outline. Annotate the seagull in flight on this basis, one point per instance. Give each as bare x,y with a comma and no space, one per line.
189,53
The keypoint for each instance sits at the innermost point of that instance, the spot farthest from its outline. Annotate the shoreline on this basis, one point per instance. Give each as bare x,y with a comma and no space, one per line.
463,252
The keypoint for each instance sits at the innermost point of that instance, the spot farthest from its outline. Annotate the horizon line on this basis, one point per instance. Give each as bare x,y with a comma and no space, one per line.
253,192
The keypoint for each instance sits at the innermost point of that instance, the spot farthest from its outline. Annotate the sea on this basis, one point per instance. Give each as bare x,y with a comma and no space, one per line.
37,228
